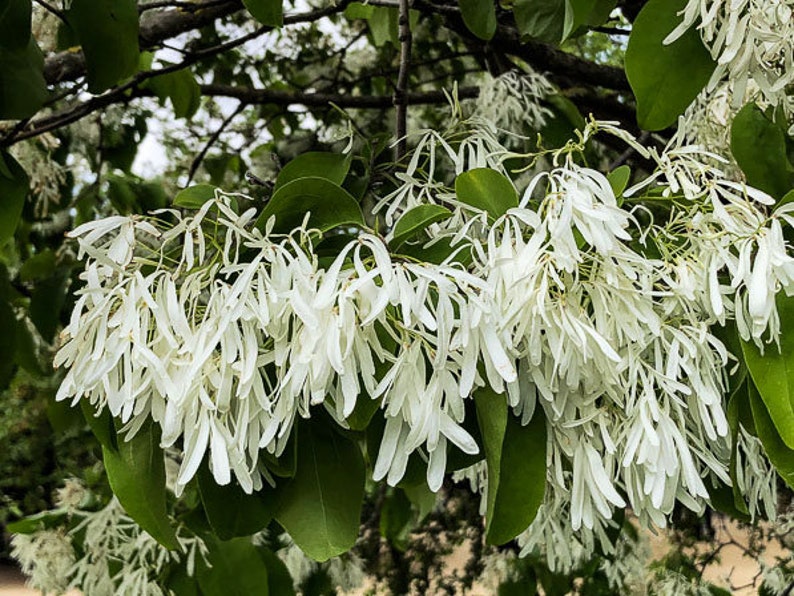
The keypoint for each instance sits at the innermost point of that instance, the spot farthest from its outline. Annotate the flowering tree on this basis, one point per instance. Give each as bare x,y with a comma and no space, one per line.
385,248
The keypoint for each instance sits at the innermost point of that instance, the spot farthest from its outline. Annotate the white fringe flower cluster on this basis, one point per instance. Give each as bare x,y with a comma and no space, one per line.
116,556
574,307
751,41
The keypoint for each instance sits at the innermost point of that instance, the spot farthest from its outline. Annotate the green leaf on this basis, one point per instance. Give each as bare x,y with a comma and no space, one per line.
395,518
486,190
321,506
15,21
136,473
23,89
181,88
516,461
279,581
479,16
787,198
8,343
108,34
439,251
773,372
13,190
319,164
329,204
665,78
422,498
235,569
591,13
193,197
779,453
384,25
37,522
768,169
357,10
549,21
414,221
39,266
230,511
101,425
46,303
267,12
619,179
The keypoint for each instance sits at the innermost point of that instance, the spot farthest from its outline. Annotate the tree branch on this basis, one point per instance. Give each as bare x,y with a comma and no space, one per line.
212,140
542,57
158,26
400,98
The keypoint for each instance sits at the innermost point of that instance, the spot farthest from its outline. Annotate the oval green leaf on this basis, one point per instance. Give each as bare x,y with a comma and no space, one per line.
479,16
13,190
231,512
193,197
321,506
779,453
329,204
267,12
768,169
773,373
235,569
665,78
319,164
414,221
516,459
108,34
486,190
136,472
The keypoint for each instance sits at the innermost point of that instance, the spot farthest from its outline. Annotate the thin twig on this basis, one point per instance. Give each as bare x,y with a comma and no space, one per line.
50,8
203,153
401,90
120,93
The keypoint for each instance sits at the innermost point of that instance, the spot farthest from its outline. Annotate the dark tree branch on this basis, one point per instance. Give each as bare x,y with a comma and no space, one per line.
131,88
400,98
312,100
159,26
155,28
542,57
194,166
50,8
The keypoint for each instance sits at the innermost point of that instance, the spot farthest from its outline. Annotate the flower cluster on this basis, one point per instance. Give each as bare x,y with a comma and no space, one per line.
115,555
575,307
752,42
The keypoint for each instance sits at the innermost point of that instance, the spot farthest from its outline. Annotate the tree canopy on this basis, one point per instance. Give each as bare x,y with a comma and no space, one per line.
309,276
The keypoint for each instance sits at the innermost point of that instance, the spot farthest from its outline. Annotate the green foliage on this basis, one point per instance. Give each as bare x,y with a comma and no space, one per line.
267,12
108,34
328,204
479,16
13,189
180,88
415,221
136,472
665,78
486,190
193,197
516,459
550,21
773,374
230,511
235,569
22,86
768,169
778,451
321,506
330,166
